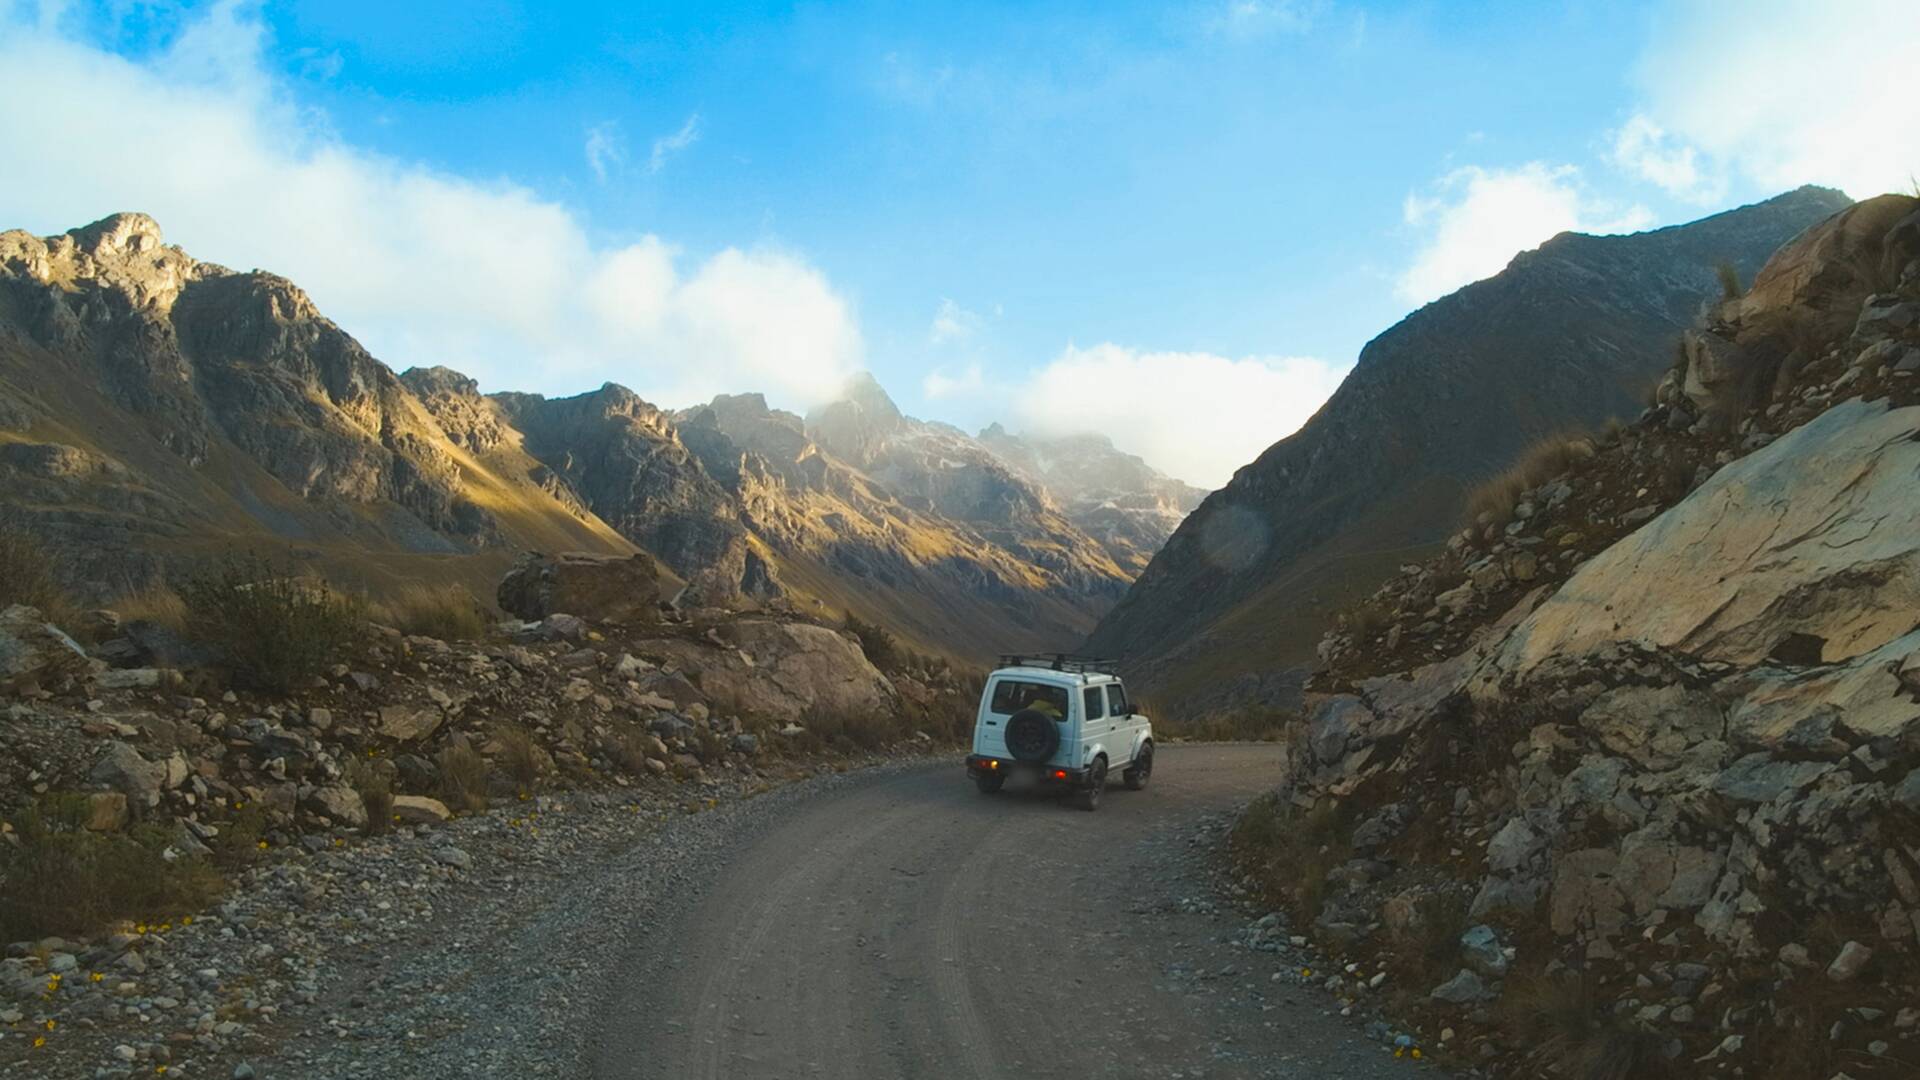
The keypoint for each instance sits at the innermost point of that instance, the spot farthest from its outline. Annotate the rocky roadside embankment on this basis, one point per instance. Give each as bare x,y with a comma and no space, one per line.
411,802
1630,778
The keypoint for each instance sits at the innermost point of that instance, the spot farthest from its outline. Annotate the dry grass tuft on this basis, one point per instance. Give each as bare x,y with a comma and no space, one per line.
463,777
1252,723
630,753
375,786
517,754
1493,502
29,575
446,612
157,604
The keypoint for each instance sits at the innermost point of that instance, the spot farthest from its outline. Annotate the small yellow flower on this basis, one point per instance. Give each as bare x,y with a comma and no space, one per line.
39,1041
263,845
1416,1053
186,920
50,1025
95,977
160,1069
240,806
1398,1052
140,928
1306,973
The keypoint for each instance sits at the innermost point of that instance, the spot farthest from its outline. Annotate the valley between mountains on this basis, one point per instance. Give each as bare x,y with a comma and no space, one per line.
1548,705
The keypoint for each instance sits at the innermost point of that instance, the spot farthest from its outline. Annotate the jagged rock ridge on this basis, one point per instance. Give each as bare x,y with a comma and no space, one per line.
157,411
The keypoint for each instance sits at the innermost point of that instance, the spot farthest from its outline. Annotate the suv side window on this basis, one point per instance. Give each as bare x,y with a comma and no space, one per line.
1096,705
1117,700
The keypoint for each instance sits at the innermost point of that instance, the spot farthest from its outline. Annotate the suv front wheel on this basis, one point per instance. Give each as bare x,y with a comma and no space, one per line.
1137,776
1088,797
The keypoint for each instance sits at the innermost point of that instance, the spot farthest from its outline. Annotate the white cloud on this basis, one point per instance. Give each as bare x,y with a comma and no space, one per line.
666,146
1645,149
1790,93
939,385
1252,18
1196,416
605,149
1476,220
952,323
423,266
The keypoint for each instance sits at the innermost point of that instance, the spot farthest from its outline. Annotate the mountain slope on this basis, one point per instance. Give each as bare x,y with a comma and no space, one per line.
1127,505
939,541
1566,336
156,410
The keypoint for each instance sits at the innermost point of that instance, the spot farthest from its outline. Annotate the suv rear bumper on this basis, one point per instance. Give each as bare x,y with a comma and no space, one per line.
982,765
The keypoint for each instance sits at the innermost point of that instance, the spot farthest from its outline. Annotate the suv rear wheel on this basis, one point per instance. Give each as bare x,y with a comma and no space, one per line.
990,782
1088,798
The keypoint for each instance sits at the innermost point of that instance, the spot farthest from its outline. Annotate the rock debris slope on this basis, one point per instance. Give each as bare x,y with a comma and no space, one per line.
1566,336
1656,730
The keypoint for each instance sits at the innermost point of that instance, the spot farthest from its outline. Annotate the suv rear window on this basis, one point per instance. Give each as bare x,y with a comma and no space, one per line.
1012,695
1096,705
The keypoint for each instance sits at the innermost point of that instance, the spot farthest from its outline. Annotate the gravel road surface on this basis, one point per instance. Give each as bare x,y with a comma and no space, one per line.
906,925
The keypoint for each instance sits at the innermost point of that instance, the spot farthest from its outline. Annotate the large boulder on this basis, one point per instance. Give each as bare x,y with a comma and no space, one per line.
608,588
780,670
1810,546
33,650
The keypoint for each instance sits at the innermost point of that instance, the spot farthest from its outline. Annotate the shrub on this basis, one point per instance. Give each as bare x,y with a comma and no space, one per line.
463,777
1565,1020
1289,852
59,878
860,730
882,648
272,629
447,612
1367,621
28,575
1729,275
1496,499
1253,723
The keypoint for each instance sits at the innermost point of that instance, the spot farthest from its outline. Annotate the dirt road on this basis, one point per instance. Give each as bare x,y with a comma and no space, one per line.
912,927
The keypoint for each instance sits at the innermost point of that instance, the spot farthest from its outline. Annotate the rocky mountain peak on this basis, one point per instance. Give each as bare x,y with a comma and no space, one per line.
125,233
440,382
853,426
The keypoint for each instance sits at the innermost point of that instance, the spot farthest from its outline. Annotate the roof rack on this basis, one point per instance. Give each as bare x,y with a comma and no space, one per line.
1067,662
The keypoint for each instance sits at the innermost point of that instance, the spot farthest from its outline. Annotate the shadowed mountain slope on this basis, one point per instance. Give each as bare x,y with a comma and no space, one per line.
1567,336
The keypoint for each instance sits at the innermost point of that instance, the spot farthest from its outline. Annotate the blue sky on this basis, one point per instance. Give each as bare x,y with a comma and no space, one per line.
1068,216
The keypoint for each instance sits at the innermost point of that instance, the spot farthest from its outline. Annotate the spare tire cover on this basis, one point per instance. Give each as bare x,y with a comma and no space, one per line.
1032,735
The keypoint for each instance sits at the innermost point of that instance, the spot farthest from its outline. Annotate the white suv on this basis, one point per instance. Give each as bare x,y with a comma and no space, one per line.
1064,719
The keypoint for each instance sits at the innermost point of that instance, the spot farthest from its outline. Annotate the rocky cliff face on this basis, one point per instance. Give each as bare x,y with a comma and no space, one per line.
154,406
911,524
1659,730
1567,336
1118,499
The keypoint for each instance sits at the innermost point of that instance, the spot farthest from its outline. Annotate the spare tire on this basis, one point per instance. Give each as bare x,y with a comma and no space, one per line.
1032,736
